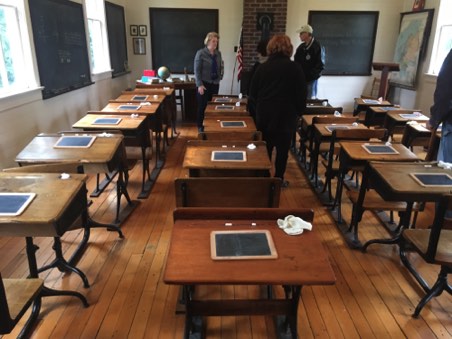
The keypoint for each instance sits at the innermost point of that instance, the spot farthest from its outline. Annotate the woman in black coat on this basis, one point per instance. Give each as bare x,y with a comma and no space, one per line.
278,90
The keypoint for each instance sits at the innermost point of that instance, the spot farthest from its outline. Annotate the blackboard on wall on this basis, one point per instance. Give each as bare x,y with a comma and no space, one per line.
117,43
176,35
348,38
60,43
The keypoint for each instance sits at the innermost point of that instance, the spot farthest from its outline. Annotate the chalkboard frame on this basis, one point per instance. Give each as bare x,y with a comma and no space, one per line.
55,53
119,61
163,53
320,32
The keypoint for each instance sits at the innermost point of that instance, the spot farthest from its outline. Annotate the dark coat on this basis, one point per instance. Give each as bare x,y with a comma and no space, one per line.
278,91
441,111
310,59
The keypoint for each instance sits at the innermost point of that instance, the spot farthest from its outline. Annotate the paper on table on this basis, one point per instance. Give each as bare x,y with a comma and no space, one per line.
293,225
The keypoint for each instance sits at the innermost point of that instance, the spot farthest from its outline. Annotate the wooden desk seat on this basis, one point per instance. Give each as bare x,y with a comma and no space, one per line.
231,136
16,296
434,246
331,164
228,192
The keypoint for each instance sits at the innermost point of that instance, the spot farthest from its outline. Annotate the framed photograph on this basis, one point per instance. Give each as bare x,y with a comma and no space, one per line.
143,30
410,46
139,46
133,30
418,5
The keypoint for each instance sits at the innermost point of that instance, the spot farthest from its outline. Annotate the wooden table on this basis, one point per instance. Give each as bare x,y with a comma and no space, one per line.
155,114
198,159
214,124
126,97
136,133
225,110
393,181
301,260
228,99
321,135
57,205
395,123
362,104
353,156
106,155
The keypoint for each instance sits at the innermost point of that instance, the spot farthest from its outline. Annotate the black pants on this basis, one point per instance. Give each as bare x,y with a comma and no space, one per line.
281,141
210,90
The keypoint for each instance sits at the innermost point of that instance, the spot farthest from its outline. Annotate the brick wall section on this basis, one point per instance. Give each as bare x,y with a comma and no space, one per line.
251,36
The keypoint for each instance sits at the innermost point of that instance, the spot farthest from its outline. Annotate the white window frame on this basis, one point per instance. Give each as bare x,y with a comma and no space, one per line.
23,49
95,12
443,25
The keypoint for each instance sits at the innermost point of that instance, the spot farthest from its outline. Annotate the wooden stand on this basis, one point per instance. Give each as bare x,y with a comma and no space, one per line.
385,68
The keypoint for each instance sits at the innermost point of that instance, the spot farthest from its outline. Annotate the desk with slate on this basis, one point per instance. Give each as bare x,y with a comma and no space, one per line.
198,159
353,156
229,124
301,261
105,155
136,133
57,205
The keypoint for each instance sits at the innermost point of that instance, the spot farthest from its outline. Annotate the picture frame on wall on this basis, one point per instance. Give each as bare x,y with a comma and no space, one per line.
410,47
133,30
418,5
143,30
139,46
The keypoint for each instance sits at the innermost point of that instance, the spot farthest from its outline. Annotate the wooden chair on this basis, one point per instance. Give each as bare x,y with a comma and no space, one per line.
231,136
331,164
16,296
228,192
434,246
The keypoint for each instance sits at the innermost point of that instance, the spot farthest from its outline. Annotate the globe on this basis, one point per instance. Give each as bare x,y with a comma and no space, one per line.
163,73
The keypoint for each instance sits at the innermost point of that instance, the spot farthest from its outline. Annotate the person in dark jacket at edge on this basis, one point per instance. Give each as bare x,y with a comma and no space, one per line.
278,91
309,55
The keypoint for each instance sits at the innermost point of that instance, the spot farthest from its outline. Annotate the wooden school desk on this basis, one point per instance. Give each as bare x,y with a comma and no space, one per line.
322,134
225,110
136,133
362,104
376,115
57,205
129,96
219,124
155,120
105,155
198,159
396,120
353,156
301,261
394,182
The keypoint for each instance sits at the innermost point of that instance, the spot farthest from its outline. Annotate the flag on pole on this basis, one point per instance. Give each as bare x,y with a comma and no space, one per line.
240,56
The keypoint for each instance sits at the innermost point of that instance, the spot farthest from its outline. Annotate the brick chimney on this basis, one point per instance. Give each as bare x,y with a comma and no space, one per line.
257,14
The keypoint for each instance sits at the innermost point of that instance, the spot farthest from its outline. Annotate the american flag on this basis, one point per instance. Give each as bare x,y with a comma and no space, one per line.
240,57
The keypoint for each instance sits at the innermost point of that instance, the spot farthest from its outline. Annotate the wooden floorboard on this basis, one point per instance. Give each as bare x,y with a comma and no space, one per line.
373,297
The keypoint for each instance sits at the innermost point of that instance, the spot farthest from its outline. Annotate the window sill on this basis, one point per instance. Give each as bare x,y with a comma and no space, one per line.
20,98
101,76
430,78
